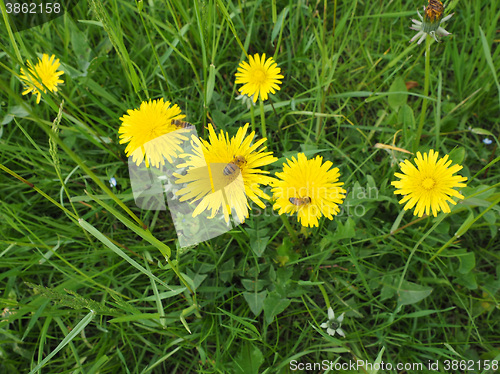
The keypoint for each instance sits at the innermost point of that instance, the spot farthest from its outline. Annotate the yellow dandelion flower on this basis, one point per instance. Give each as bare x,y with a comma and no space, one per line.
152,132
223,173
42,77
309,188
429,185
259,77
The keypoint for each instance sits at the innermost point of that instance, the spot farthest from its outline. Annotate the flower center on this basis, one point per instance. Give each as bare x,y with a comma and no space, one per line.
334,325
428,183
259,76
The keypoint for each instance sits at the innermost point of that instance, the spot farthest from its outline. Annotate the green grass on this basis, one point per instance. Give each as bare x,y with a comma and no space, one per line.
98,295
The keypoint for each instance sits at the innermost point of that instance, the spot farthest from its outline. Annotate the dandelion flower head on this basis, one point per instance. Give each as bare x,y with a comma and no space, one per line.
223,172
429,185
310,188
44,75
151,134
259,77
430,23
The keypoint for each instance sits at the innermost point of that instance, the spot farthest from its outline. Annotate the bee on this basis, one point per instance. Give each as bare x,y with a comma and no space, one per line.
434,10
182,124
234,166
299,201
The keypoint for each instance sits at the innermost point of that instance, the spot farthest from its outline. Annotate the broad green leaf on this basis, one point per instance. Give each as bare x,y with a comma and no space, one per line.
81,48
259,245
468,280
489,60
490,217
397,221
274,305
255,301
210,84
252,285
285,252
344,231
388,291
196,277
479,131
465,226
407,119
309,283
411,293
15,111
457,155
467,262
279,24
248,360
398,95
227,270
370,183
376,365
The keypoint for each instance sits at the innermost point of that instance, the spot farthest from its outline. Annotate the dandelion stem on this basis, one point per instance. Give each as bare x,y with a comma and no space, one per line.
262,118
325,295
314,277
437,126
289,227
252,115
428,41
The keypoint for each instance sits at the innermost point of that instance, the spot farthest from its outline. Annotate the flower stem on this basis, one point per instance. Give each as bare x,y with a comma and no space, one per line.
428,41
262,119
252,116
289,227
437,126
314,277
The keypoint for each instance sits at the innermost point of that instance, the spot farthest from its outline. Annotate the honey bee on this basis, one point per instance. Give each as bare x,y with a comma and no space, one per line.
234,166
181,124
434,10
299,201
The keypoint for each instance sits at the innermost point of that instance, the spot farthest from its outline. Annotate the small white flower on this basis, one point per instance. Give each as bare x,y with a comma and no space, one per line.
429,25
487,141
112,182
333,325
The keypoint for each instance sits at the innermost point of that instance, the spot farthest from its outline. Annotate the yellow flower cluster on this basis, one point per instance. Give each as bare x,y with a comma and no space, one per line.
225,172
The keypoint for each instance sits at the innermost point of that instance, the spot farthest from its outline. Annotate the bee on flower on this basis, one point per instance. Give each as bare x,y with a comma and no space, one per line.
152,132
430,22
310,188
223,173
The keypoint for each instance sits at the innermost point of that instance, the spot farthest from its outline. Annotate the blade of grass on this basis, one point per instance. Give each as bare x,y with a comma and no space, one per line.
74,332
